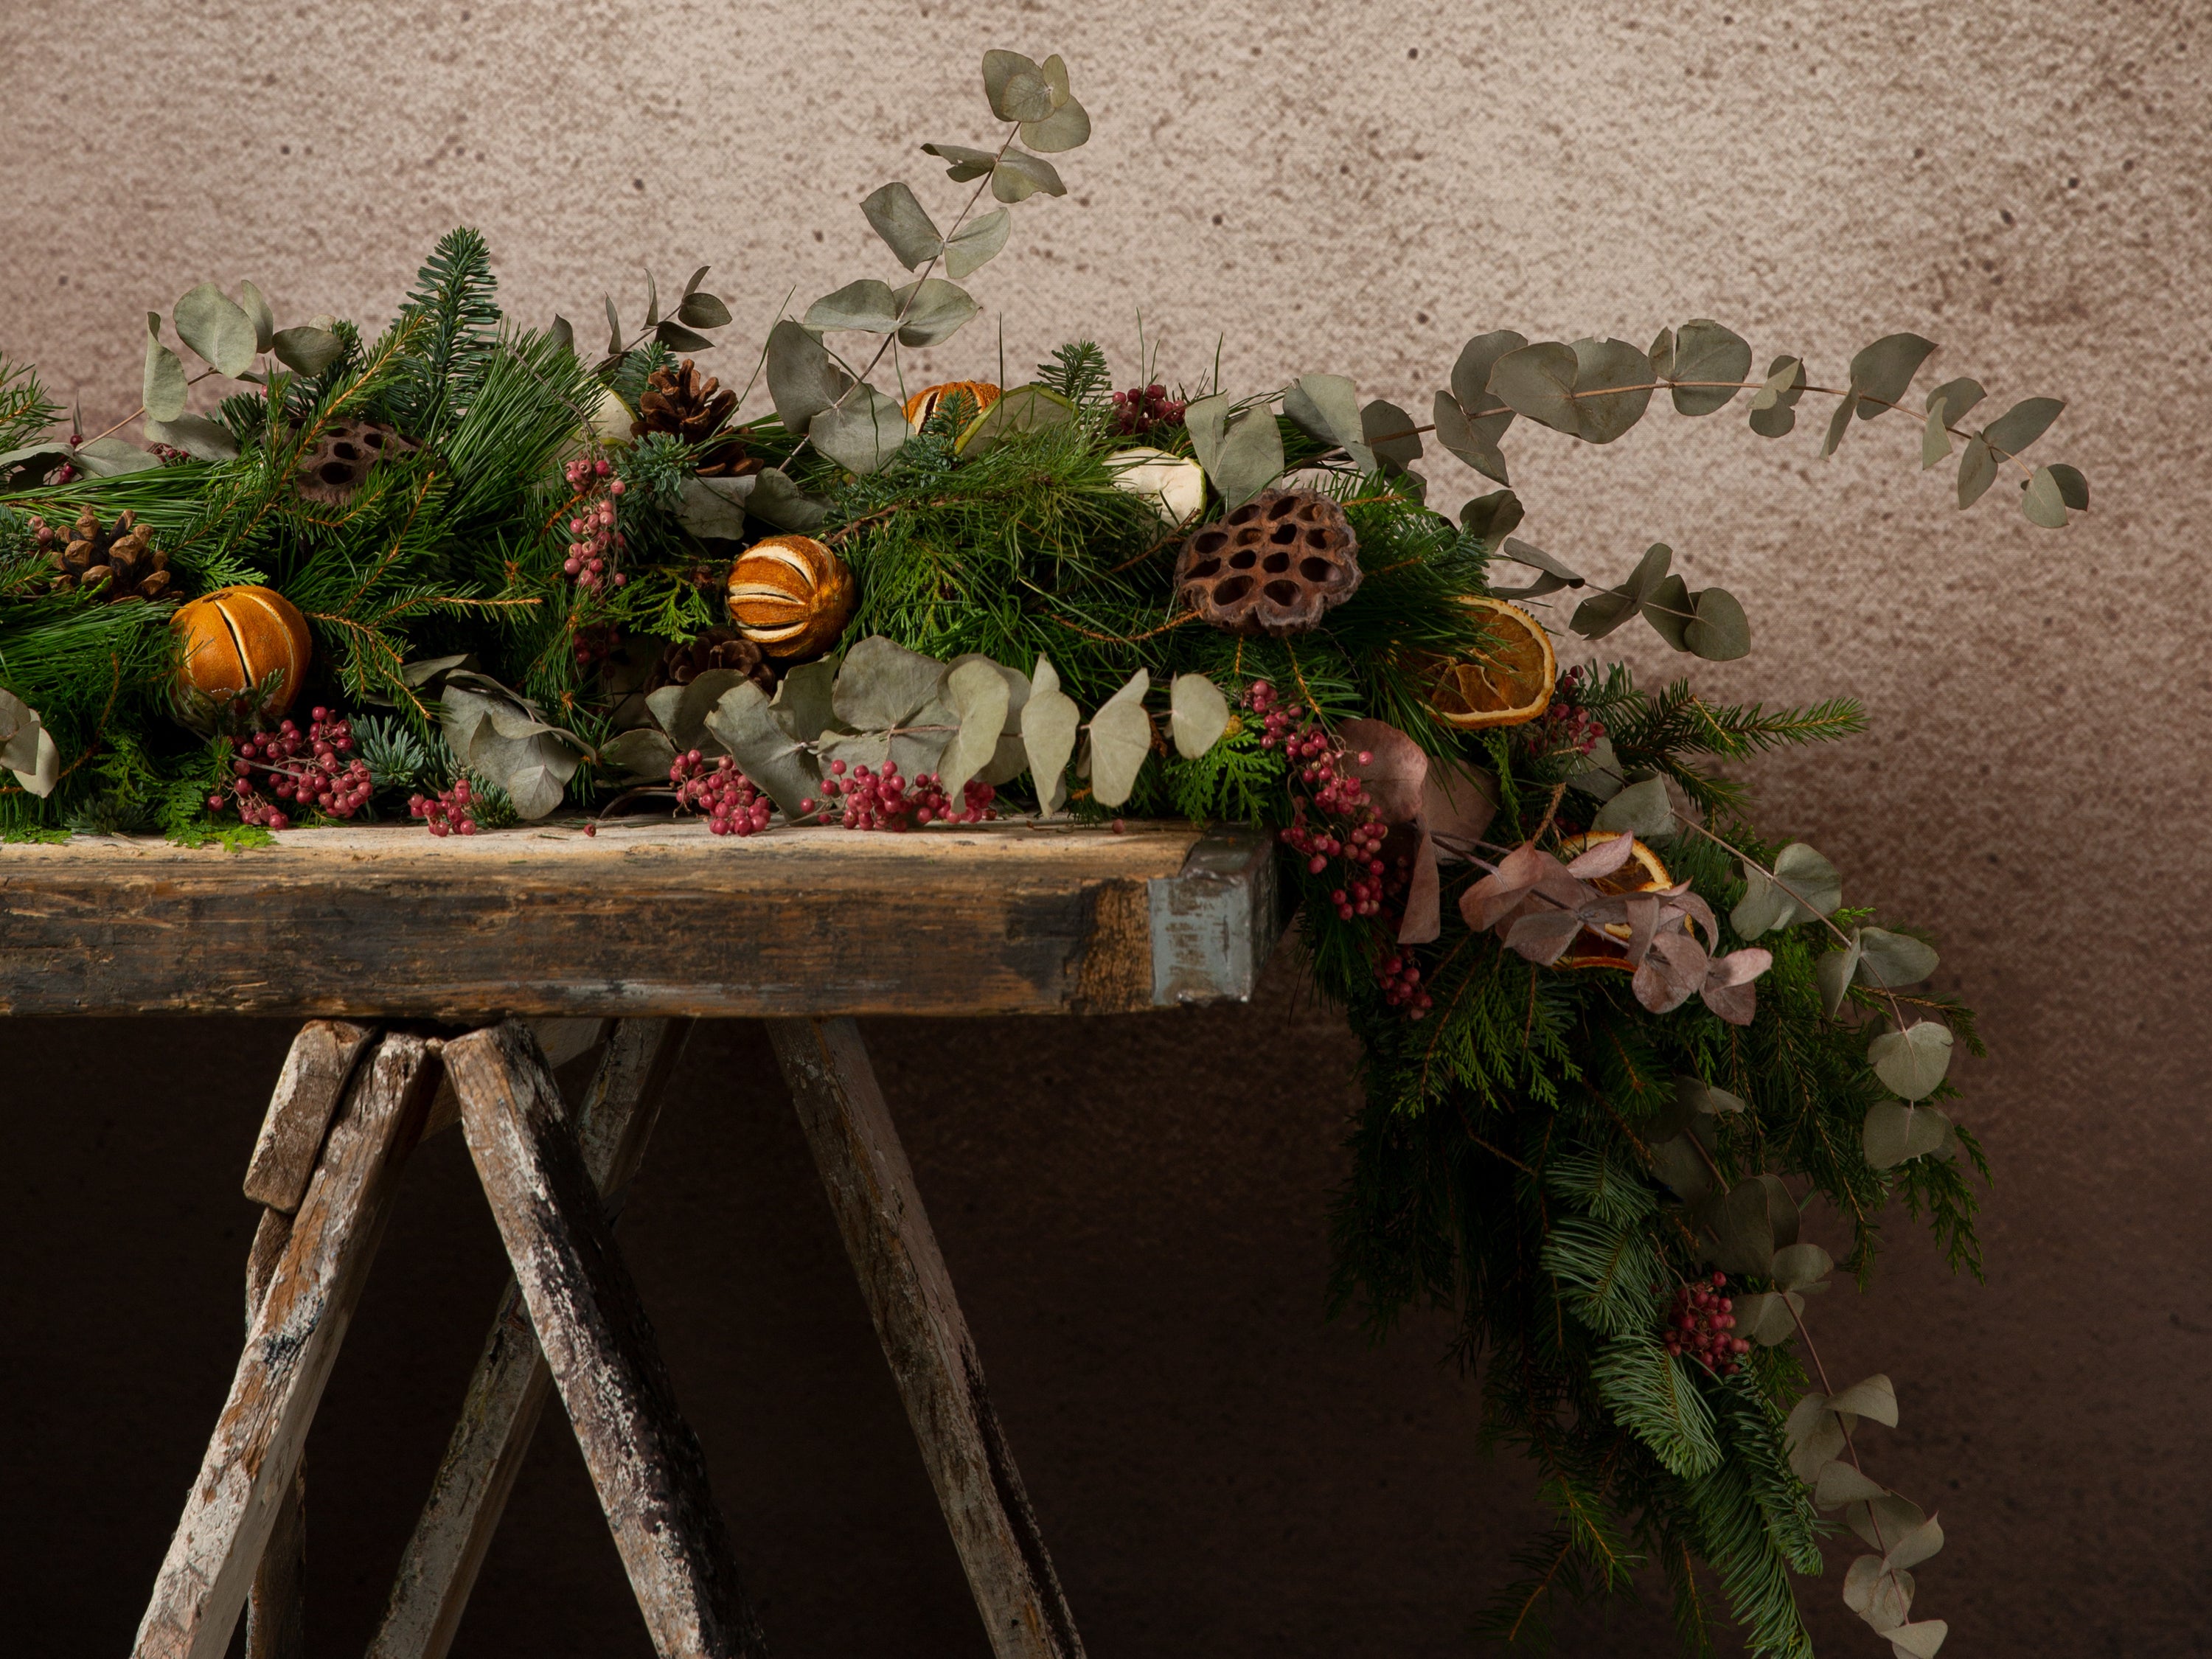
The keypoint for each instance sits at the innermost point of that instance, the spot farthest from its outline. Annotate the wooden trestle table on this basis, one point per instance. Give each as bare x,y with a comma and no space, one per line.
440,981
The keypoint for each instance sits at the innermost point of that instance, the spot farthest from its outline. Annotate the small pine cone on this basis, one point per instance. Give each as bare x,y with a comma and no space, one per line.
715,647
120,562
677,400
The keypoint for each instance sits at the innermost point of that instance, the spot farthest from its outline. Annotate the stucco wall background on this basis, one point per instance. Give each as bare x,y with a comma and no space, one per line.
1356,189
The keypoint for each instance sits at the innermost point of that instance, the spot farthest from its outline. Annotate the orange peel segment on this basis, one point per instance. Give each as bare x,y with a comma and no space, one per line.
1643,873
1507,685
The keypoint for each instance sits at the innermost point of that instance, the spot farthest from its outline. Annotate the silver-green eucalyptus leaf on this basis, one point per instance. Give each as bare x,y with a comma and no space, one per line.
867,306
1896,1134
776,762
1882,373
1833,973
1016,86
1912,1062
1719,630
978,693
1067,128
677,337
1977,470
1642,809
1120,737
1023,408
2072,488
714,508
217,328
1392,433
1935,435
1613,388
803,702
2022,424
1326,407
931,311
1889,960
882,684
1020,175
682,710
702,310
1774,406
27,750
966,163
1704,352
163,392
1249,459
1049,722
109,458
898,216
776,499
307,349
641,752
2042,501
258,314
1957,396
1197,714
862,434
1539,381
196,435
974,244
1461,437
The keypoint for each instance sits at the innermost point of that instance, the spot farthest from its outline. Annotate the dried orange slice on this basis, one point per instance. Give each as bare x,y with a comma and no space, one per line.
1505,684
1643,873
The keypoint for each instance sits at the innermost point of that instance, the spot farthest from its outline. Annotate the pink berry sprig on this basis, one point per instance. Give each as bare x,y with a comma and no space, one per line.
593,646
1344,828
312,770
726,798
1567,728
1699,1325
1141,408
880,798
448,813
595,543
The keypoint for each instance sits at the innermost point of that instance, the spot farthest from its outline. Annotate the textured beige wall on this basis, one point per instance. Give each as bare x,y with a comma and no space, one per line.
1358,189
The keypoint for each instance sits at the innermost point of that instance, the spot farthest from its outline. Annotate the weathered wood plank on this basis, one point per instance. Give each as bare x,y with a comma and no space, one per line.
255,1451
307,1093
924,1336
388,923
277,1606
506,1394
644,1459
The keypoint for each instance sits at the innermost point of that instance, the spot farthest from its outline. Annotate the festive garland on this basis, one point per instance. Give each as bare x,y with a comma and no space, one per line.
1617,1040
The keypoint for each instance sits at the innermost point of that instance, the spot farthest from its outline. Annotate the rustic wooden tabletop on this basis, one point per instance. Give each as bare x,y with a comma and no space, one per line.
638,921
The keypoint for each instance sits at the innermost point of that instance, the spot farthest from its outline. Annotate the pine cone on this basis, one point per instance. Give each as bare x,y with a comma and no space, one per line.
677,400
119,562
715,647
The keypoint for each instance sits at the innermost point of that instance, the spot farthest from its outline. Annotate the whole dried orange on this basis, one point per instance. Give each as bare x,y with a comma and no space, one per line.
1643,873
1506,682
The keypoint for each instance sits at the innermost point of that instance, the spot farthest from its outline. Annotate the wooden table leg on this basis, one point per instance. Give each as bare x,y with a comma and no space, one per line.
500,1413
644,1459
926,1339
254,1457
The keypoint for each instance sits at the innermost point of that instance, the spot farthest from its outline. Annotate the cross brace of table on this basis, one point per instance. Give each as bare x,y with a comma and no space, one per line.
350,1105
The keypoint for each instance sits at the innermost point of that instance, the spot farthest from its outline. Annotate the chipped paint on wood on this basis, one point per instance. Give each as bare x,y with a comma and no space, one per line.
308,1092
1213,923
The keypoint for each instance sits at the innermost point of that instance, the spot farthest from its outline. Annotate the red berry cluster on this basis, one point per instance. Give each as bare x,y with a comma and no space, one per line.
170,455
1566,724
1699,1325
880,799
595,644
448,813
311,769
594,541
1144,407
1346,826
731,802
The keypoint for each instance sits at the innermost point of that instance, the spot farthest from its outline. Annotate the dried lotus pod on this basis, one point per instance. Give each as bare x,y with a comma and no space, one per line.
1275,565
342,453
791,596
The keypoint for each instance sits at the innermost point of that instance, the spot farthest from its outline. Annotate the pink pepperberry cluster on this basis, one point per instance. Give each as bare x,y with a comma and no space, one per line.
1345,826
880,799
595,644
594,541
448,813
724,795
1144,407
1568,726
1700,1324
310,769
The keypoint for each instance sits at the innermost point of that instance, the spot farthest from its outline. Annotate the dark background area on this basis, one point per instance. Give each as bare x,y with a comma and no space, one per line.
1134,1211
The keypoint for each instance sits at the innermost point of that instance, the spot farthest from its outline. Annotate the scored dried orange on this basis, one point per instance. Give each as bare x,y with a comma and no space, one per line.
1643,873
1508,682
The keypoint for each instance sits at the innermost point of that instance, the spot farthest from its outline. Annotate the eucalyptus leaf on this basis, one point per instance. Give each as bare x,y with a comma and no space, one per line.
217,328
702,310
971,246
562,333
1120,737
932,310
1834,972
1935,436
979,694
863,433
109,458
1461,437
776,761
196,435
1883,371
2022,424
1765,1317
1889,960
1661,351
1250,457
163,392
1839,422
641,752
1718,630
1797,1265
1957,398
613,329
1491,518
1551,574
1016,86
1977,470
682,710
1912,1062
1020,175
1207,419
36,461
803,704
307,349
1921,1639
1600,775
2042,501
1392,433
1840,1483
1774,406
1816,888
1049,721
1667,608
27,750
776,499
1197,714
1067,128
802,380
898,216
1874,1399
966,163
1742,1230
1675,1161
1018,690
1704,350
258,314
882,684
1599,614
1642,809
1539,381
1326,407
2072,488
1895,1134
652,300
866,305
1613,388
714,508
